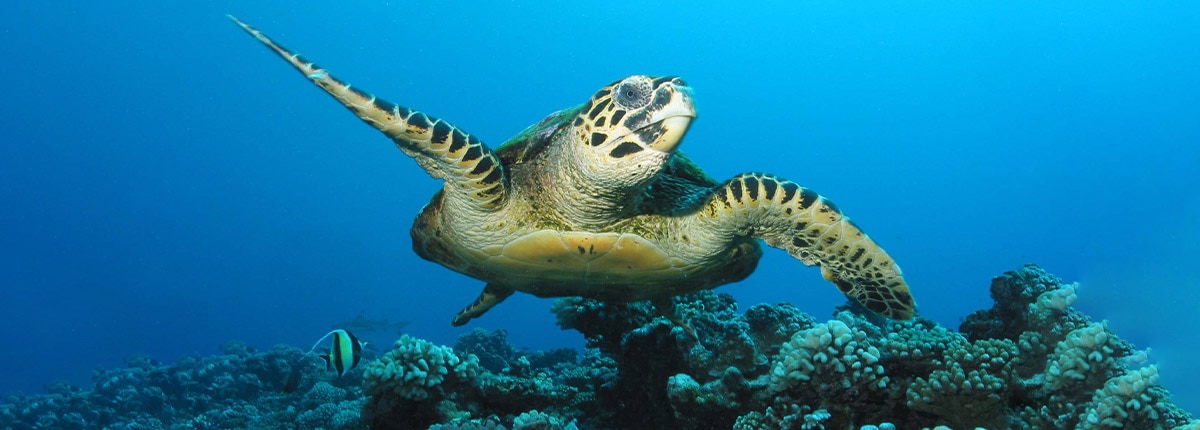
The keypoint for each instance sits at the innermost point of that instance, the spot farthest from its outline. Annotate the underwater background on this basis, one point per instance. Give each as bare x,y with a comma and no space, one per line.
167,185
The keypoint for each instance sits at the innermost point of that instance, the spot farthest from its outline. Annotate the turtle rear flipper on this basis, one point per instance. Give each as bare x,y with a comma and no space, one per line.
467,165
812,229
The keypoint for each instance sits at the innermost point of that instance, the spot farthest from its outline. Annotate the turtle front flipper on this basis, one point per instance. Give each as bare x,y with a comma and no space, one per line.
491,296
467,165
812,229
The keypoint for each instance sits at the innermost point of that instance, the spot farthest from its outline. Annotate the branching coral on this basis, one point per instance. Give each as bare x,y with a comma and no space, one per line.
489,423
415,368
731,350
971,386
334,415
1126,401
239,388
784,416
407,383
1030,362
1084,355
1029,299
534,420
828,356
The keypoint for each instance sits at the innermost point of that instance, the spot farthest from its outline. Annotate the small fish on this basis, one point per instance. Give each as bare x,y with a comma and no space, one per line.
345,352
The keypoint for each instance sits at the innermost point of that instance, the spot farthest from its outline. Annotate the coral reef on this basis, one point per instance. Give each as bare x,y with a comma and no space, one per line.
1031,361
240,388
416,369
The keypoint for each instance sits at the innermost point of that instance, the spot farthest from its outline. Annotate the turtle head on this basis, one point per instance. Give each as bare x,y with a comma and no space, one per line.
601,155
636,114
624,136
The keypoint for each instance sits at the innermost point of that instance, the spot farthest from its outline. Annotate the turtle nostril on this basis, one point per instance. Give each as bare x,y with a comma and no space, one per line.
679,82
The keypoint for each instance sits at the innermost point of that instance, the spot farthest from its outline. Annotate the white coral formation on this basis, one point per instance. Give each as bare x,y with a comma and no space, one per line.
414,366
1191,425
535,420
1122,399
1058,299
833,348
814,420
783,415
1084,353
1050,312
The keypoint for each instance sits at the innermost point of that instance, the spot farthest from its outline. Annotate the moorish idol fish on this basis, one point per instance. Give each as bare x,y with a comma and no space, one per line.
345,352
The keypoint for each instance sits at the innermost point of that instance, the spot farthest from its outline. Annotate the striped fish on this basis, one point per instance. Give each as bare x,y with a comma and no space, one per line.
345,352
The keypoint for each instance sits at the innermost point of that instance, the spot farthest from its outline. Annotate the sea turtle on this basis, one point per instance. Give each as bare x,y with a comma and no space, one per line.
597,201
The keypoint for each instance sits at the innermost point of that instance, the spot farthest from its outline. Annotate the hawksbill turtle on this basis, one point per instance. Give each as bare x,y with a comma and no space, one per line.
597,201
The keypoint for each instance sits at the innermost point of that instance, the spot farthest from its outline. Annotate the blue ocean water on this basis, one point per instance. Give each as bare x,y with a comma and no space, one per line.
168,185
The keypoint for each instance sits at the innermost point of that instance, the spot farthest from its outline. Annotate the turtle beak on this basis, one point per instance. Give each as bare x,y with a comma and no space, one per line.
674,119
673,129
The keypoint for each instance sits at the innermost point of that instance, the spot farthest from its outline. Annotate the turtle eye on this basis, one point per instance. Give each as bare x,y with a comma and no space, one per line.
633,93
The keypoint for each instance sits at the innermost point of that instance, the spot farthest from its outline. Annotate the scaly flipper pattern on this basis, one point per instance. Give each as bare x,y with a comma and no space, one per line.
491,296
812,229
467,165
